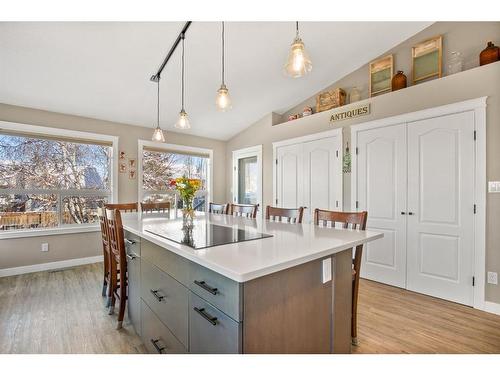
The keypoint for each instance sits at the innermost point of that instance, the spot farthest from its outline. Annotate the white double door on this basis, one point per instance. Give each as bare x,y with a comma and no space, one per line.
309,174
416,180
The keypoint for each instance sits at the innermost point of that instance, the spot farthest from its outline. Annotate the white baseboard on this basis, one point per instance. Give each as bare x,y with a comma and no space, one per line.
50,266
492,307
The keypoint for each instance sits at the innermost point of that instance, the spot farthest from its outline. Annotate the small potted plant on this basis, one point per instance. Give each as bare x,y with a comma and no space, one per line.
187,188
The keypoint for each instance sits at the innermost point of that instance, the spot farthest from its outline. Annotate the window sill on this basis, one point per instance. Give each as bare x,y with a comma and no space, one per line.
23,233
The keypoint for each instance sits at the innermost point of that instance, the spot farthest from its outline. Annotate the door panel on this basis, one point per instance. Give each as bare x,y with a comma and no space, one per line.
322,186
381,190
290,176
440,196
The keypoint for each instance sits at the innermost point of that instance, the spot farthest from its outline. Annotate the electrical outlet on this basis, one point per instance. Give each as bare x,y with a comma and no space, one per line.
45,247
327,270
492,278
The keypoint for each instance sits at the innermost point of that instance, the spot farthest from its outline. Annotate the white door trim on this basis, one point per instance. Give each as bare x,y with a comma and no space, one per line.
245,153
307,138
479,107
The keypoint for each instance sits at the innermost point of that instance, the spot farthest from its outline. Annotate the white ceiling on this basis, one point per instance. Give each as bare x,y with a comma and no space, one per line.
102,70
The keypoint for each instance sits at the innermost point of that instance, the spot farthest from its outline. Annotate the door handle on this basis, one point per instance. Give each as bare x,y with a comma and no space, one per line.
403,213
154,292
410,213
205,286
130,242
131,256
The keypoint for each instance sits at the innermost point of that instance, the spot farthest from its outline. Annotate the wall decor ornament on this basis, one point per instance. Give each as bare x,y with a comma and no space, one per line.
330,99
122,167
381,72
346,165
361,110
489,55
307,111
132,174
131,163
399,81
427,59
455,62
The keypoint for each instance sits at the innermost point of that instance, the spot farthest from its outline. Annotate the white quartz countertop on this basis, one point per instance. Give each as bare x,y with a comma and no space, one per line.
289,246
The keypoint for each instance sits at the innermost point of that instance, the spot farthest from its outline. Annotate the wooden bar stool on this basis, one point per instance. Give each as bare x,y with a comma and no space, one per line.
118,263
155,207
290,215
354,220
243,210
215,208
106,255
123,207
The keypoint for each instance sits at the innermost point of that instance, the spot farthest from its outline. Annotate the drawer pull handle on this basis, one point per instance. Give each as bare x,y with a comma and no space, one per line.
154,292
130,242
205,315
131,256
208,288
157,347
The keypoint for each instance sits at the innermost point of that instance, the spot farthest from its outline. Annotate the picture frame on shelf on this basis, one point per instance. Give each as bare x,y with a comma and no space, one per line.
381,72
427,59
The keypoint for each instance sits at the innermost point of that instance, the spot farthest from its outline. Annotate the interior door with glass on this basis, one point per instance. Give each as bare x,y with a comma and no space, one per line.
247,176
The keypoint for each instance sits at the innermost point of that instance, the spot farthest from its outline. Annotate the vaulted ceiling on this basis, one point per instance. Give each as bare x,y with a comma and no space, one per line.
102,70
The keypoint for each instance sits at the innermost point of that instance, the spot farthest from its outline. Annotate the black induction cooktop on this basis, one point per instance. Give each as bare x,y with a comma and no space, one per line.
204,235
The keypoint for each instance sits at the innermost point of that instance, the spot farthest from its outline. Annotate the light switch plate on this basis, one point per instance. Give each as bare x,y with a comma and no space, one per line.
45,247
327,270
493,186
492,278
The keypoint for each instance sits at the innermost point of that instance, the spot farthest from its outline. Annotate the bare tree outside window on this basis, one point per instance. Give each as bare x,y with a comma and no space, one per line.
50,182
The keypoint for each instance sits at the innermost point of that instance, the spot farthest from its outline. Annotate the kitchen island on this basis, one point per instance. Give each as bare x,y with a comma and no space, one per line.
236,285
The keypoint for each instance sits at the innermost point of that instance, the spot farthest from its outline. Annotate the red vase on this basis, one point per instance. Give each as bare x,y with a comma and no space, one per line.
489,55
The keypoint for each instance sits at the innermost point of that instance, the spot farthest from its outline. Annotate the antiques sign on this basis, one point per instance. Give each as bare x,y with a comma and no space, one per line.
351,113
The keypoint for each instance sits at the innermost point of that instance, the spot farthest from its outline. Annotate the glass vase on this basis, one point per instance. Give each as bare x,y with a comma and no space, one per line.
187,214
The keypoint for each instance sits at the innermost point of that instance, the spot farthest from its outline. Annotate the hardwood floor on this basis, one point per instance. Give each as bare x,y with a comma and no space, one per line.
393,320
62,312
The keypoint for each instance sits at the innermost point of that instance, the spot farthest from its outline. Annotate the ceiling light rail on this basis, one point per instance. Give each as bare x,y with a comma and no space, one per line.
156,77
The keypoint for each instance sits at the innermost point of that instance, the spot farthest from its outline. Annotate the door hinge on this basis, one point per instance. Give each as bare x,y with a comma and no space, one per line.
337,153
357,204
276,200
475,208
475,135
336,203
276,161
473,281
357,151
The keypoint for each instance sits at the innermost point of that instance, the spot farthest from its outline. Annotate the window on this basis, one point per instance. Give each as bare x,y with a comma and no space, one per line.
48,182
247,176
161,163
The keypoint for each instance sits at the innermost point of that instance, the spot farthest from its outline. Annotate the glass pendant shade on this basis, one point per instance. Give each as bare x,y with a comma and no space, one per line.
298,63
158,135
223,100
183,121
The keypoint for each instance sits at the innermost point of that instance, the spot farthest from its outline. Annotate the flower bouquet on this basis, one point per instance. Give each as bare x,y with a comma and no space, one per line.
187,188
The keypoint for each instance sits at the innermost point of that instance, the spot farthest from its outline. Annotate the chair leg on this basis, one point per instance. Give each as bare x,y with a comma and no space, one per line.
123,301
104,287
354,315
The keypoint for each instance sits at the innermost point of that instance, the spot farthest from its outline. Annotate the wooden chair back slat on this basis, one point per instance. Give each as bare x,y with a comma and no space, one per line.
243,210
291,215
123,207
216,208
155,207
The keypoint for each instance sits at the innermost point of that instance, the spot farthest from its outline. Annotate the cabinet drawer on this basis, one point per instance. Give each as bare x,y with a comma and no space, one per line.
167,298
171,263
220,291
210,330
156,336
132,243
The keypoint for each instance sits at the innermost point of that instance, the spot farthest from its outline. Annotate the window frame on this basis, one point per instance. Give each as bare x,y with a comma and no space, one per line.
170,147
112,193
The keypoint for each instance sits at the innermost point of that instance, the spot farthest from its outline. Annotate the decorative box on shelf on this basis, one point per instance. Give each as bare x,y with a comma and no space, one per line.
330,99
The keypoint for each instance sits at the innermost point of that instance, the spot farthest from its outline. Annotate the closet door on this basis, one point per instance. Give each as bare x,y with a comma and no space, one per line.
289,175
322,167
381,190
441,203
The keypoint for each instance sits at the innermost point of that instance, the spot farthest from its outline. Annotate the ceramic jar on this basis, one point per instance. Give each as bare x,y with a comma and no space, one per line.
354,95
489,55
398,81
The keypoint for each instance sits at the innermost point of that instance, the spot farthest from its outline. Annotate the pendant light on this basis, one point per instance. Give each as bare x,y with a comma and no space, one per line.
158,133
223,101
183,121
298,63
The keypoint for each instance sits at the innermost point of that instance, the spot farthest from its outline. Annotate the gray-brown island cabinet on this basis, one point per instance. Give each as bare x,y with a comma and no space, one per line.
179,306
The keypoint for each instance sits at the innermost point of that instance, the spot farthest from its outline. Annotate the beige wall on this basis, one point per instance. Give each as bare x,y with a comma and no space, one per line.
477,82
26,251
